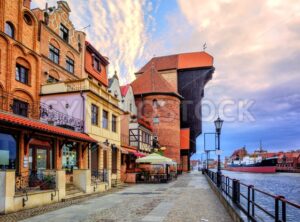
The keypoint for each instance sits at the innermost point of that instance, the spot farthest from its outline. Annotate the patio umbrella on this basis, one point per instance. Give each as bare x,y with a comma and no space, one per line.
155,158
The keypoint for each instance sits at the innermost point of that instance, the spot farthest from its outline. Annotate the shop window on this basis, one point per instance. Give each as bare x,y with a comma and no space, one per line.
8,151
70,65
20,108
22,74
69,161
9,29
105,119
54,54
64,33
114,123
96,64
95,111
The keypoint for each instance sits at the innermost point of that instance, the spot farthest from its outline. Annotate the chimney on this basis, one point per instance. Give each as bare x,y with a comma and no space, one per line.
26,3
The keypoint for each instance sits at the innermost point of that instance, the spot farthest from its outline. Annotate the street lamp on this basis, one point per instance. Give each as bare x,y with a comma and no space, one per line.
218,125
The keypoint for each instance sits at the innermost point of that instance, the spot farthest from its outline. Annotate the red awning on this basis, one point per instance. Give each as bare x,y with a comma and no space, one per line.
138,154
133,151
43,127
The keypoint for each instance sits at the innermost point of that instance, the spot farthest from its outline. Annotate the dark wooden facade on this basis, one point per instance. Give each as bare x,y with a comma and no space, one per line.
191,83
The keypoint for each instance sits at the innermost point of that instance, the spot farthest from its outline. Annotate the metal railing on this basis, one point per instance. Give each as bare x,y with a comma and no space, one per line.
99,176
258,205
32,181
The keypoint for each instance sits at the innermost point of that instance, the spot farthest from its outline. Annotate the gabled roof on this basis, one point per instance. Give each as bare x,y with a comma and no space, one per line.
152,82
22,122
180,61
124,89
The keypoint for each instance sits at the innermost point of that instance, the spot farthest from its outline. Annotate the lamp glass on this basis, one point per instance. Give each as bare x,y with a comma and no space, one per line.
218,124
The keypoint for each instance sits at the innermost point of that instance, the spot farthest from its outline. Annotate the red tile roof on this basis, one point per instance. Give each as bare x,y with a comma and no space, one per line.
19,121
180,61
124,89
151,82
145,123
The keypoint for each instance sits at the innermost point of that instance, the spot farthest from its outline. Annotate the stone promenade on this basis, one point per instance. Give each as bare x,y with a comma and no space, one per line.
189,198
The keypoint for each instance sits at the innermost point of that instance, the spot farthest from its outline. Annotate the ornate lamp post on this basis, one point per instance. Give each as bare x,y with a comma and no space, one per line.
218,125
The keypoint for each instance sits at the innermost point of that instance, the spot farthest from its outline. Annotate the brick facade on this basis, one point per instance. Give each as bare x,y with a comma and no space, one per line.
168,128
50,35
21,49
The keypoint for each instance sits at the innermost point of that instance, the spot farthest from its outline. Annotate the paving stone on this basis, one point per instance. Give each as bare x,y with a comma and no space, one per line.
189,199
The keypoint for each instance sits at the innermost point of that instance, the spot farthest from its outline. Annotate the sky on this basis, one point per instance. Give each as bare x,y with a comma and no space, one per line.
256,50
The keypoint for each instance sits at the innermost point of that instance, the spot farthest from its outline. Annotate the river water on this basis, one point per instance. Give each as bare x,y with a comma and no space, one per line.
284,184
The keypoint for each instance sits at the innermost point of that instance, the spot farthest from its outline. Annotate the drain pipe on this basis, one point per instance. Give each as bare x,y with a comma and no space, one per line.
83,110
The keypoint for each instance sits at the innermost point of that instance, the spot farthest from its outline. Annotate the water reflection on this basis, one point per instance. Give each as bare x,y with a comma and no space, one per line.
284,184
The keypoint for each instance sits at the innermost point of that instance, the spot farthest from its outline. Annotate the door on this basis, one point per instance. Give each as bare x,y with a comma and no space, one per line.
40,159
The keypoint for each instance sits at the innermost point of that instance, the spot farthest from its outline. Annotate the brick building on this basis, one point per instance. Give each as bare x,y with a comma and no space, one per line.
30,150
61,44
168,92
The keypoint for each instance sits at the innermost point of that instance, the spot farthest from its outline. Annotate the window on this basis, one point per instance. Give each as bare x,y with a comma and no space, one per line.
8,151
22,74
70,65
114,123
20,108
105,119
27,18
51,79
69,160
54,54
155,103
130,107
64,33
96,64
9,29
94,114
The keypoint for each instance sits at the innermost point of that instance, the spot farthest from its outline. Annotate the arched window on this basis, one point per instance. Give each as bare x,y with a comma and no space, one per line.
9,29
8,151
27,18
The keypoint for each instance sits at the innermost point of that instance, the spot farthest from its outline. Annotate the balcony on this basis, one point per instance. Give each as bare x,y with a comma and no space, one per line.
53,117
77,86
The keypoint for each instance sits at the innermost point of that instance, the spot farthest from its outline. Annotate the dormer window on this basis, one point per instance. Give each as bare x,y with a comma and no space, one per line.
64,33
96,64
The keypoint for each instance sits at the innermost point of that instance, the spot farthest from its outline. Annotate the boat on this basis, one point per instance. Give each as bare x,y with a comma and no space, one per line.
259,162
257,165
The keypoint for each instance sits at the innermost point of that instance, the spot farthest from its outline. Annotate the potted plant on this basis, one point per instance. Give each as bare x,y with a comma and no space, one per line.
47,183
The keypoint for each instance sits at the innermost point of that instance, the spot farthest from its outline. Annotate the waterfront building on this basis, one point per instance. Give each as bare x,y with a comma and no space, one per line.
61,44
89,101
136,134
31,151
168,91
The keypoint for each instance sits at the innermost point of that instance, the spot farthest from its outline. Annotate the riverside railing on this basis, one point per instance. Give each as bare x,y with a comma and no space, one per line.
256,203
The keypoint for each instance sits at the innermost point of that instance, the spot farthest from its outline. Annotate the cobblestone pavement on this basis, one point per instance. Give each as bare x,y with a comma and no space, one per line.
189,199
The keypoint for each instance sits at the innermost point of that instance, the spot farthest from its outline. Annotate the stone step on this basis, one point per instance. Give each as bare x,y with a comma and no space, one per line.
73,192
73,196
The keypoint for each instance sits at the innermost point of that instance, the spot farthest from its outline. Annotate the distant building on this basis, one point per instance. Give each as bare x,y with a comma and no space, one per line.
168,90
